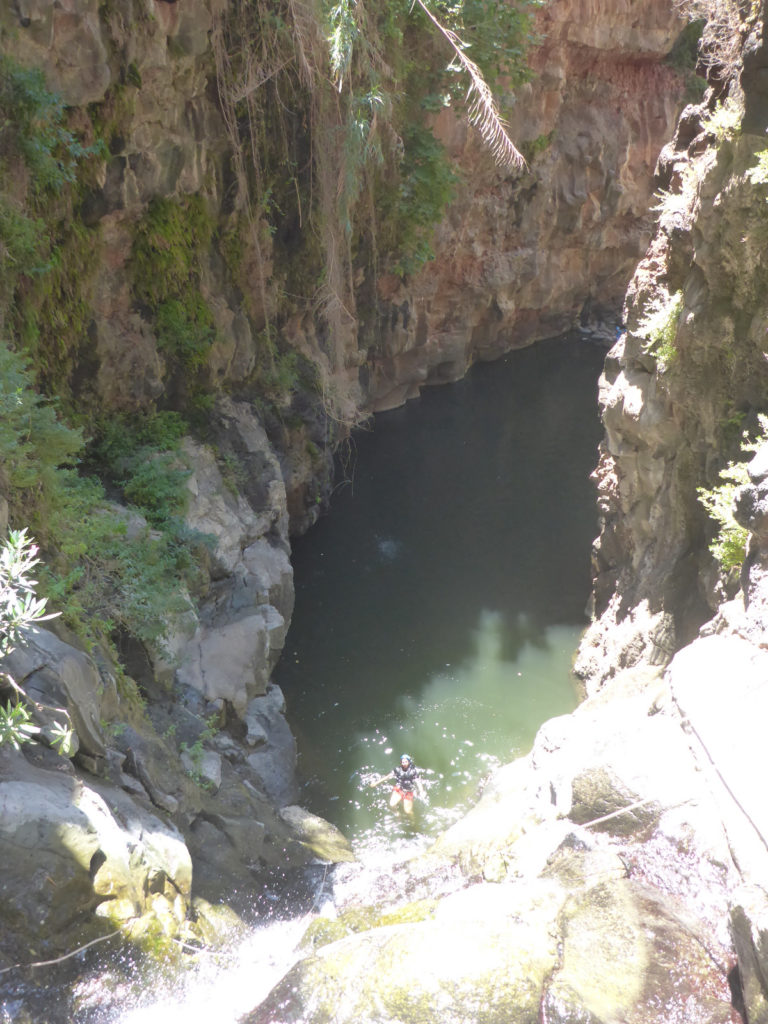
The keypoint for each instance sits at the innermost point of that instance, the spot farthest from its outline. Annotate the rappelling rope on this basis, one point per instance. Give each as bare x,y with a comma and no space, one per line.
689,725
60,959
632,807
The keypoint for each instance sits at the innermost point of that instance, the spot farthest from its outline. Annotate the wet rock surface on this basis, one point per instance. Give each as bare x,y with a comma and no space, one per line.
591,882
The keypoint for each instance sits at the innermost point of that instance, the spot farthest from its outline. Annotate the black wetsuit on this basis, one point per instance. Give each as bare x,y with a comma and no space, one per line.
405,778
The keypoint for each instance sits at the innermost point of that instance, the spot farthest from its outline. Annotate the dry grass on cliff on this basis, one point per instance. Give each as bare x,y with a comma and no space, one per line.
720,48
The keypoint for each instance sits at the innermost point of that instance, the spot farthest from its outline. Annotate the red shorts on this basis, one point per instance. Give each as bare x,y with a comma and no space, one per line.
407,797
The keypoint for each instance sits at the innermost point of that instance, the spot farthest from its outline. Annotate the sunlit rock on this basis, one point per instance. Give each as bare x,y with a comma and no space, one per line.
321,837
69,849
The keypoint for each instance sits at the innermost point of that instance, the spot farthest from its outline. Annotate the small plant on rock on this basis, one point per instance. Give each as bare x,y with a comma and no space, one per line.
19,608
758,175
659,327
725,120
730,544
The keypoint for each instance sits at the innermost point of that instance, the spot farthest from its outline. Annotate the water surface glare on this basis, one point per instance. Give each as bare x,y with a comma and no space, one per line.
439,605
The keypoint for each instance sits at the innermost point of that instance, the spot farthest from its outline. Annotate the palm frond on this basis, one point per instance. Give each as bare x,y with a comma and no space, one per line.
483,112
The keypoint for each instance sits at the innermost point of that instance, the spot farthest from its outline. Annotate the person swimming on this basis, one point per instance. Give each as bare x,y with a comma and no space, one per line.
407,782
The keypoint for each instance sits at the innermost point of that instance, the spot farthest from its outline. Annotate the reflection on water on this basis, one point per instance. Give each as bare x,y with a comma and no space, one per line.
439,605
467,720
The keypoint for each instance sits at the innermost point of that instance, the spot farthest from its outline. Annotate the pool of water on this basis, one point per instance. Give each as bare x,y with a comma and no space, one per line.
440,602
438,608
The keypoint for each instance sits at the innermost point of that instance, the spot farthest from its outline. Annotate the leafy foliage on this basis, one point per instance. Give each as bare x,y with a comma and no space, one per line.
443,52
659,326
46,253
724,122
34,127
425,187
34,445
18,605
101,575
166,263
16,726
168,245
186,329
758,175
19,608
729,545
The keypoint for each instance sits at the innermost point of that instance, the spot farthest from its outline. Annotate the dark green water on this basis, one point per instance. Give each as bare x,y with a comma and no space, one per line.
439,604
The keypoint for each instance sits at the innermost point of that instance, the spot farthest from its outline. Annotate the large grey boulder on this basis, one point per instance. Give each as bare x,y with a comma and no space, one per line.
243,621
78,857
580,942
56,675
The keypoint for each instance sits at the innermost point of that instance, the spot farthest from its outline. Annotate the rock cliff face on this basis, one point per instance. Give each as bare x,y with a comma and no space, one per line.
528,256
682,390
620,868
680,386
520,256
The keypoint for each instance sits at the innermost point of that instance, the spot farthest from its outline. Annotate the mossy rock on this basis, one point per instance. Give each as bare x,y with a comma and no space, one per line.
321,932
419,974
215,923
411,913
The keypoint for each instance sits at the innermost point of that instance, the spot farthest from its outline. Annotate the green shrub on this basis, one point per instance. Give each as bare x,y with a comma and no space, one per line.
659,327
758,175
34,445
41,273
724,122
97,575
729,545
170,243
186,329
168,246
413,207
34,128
19,608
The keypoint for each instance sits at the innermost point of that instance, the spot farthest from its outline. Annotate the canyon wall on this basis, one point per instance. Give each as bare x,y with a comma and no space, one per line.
646,805
520,255
684,383
527,256
278,355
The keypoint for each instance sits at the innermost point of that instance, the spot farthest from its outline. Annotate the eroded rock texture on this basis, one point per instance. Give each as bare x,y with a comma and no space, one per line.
526,256
679,387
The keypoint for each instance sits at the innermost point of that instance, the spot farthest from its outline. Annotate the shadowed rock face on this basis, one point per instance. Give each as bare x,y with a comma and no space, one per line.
674,420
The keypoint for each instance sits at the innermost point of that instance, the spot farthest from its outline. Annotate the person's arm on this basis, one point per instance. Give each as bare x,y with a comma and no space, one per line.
382,778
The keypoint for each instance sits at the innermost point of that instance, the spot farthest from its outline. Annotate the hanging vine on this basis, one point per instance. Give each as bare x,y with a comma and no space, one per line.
336,171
